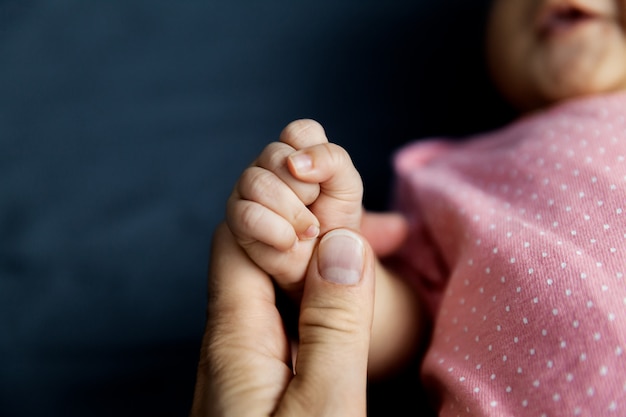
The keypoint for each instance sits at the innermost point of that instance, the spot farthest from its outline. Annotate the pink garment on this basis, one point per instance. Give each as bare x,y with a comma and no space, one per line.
518,247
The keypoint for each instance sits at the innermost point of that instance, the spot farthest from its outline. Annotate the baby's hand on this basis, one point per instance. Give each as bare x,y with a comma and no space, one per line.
296,190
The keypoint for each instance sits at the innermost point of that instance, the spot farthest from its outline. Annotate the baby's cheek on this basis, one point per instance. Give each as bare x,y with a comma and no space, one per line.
612,75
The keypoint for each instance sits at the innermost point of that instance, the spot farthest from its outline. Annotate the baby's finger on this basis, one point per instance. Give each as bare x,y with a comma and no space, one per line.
265,188
303,133
341,187
296,135
252,222
274,158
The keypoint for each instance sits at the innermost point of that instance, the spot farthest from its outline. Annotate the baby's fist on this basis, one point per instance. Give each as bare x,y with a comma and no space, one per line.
339,200
296,190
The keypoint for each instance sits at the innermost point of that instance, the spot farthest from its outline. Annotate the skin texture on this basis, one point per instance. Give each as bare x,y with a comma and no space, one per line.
538,56
271,211
301,184
301,188
246,365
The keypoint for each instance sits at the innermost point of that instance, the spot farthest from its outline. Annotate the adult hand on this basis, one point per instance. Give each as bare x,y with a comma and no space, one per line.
246,367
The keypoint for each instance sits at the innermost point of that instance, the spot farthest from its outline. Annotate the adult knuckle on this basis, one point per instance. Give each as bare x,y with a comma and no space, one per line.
338,319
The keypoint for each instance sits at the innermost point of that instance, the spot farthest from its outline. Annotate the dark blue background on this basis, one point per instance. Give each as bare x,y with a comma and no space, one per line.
123,126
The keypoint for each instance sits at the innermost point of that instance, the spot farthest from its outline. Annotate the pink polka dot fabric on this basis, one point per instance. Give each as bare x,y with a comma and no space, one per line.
518,247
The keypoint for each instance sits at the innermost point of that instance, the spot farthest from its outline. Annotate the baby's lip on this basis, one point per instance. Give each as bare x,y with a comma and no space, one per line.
559,16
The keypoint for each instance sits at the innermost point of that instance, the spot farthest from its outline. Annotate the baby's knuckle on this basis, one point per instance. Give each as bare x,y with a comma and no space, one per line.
301,214
256,182
339,155
334,156
301,132
297,127
274,155
249,216
308,193
277,158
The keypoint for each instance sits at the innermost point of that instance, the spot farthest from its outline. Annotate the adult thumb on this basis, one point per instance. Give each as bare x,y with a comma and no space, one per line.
334,329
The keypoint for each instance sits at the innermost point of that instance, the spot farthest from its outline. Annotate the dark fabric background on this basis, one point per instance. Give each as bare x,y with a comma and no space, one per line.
123,126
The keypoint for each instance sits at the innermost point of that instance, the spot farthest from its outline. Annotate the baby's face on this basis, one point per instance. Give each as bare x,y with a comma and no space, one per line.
544,51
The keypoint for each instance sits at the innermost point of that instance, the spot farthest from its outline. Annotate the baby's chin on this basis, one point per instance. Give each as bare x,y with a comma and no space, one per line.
589,63
547,88
556,91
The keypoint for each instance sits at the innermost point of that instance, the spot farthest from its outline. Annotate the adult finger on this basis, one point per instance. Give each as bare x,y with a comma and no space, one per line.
334,328
245,361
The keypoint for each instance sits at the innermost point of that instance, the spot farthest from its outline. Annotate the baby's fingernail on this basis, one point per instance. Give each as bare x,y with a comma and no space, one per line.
301,162
311,232
341,257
